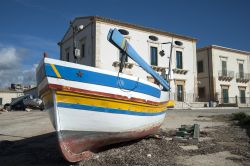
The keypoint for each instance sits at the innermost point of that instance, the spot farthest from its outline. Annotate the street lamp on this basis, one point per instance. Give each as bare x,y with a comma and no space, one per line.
75,29
178,43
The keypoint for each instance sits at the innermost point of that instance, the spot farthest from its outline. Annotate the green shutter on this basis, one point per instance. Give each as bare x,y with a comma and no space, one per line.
241,70
179,63
224,68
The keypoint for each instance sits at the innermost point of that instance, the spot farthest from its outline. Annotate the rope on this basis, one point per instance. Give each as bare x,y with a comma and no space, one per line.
122,64
123,89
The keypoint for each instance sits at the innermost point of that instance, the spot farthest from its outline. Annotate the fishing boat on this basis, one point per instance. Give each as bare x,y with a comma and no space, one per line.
91,107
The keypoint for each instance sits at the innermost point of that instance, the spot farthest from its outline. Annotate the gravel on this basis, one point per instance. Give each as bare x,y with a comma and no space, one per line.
223,144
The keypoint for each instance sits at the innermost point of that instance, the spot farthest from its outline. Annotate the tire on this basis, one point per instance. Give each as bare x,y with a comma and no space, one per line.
8,108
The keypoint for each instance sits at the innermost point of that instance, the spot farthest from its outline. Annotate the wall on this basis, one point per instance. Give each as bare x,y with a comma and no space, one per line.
102,54
233,59
107,54
203,77
32,91
86,36
8,95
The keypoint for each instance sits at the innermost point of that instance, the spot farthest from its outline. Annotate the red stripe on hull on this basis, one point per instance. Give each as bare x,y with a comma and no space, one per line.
102,94
76,147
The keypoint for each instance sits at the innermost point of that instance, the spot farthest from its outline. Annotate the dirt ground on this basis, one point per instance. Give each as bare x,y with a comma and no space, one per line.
27,138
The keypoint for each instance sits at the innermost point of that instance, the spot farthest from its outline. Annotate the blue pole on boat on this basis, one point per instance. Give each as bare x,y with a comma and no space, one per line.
117,39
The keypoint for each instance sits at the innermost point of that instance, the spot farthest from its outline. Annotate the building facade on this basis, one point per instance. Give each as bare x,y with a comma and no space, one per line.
32,91
7,96
223,75
97,51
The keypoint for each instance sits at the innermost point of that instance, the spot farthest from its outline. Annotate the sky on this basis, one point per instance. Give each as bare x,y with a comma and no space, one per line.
30,27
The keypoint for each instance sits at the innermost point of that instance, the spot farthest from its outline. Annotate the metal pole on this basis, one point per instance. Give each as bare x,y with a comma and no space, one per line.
169,68
74,45
170,60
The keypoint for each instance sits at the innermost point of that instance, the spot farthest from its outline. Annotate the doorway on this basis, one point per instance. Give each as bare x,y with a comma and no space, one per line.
180,96
225,95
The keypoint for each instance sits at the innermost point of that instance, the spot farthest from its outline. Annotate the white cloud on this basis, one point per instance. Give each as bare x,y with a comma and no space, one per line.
9,58
12,70
17,58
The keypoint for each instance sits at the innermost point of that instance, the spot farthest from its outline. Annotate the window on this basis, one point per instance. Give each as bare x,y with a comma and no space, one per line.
201,92
224,68
241,70
153,55
82,50
153,38
200,66
179,64
123,31
242,96
67,56
1,101
120,55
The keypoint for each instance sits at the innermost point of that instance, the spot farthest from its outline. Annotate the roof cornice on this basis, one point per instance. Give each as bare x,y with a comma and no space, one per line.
223,48
134,26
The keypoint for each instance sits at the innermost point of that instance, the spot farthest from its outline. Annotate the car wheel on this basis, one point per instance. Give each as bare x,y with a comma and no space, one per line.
8,108
6,105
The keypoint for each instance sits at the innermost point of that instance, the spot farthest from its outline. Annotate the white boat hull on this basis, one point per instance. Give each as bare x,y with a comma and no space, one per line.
88,113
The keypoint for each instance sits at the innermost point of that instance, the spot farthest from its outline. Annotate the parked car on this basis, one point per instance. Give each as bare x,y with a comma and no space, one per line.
23,102
33,103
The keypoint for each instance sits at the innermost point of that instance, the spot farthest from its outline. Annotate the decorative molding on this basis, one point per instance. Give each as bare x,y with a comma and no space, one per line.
153,42
223,57
225,86
127,64
180,71
158,68
178,47
242,87
240,60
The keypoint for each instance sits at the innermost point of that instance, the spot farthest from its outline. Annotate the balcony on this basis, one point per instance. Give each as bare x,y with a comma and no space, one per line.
225,75
242,77
180,71
158,69
127,64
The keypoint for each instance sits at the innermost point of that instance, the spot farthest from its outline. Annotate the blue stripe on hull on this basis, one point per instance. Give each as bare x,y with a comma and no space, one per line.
107,110
91,77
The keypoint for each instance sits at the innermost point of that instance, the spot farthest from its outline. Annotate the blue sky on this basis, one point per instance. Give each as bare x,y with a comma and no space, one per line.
30,27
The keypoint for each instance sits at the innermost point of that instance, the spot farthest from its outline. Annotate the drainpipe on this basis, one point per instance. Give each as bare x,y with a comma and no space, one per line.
209,77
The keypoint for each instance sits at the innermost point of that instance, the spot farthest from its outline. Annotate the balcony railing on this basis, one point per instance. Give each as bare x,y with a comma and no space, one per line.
225,75
242,77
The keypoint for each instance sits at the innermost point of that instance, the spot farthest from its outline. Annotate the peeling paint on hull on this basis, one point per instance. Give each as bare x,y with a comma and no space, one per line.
80,145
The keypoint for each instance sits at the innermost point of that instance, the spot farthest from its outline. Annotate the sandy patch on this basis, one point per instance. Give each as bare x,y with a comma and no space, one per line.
214,159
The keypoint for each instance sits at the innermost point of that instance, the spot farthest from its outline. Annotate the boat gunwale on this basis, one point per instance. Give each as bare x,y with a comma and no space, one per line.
98,70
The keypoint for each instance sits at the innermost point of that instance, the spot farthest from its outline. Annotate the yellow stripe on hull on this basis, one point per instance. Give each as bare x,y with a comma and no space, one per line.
55,70
67,97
